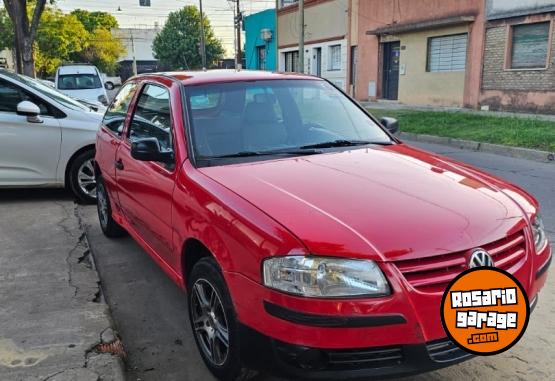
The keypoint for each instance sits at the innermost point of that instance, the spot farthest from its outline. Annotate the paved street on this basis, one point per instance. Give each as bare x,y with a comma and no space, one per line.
151,314
52,315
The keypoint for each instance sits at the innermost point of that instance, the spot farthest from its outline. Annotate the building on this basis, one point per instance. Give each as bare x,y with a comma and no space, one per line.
327,39
138,43
260,40
422,52
7,60
519,56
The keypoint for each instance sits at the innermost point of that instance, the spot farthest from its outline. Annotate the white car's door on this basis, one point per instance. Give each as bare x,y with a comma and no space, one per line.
29,151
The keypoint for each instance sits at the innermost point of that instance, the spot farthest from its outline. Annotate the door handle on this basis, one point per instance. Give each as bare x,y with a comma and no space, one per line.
119,164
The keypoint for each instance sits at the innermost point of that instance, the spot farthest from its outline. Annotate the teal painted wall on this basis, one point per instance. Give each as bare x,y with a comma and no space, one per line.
253,24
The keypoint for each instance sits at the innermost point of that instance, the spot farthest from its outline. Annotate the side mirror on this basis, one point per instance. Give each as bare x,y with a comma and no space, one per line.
30,110
391,124
148,149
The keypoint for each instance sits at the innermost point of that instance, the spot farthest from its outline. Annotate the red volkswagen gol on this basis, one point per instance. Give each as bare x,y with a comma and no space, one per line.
310,240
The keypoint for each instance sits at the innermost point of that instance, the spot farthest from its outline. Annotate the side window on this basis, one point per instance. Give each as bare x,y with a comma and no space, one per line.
152,117
115,115
11,95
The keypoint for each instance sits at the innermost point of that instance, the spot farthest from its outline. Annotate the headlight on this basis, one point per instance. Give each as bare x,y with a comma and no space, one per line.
323,277
540,239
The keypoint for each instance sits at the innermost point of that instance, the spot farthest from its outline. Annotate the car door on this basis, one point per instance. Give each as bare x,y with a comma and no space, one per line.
145,189
110,135
29,148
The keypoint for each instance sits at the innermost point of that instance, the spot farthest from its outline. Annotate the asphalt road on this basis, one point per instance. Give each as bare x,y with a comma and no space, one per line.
150,312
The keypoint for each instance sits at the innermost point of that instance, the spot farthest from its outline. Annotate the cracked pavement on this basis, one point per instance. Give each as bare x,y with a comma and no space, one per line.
52,315
151,312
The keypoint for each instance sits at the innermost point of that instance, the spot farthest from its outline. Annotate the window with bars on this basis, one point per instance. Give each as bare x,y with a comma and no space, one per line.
261,58
144,3
530,45
447,53
334,57
292,61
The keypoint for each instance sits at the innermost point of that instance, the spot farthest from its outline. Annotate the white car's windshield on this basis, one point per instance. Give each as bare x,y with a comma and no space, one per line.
79,82
256,118
47,91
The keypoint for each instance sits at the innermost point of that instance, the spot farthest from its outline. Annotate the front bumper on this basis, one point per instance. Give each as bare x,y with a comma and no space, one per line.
300,362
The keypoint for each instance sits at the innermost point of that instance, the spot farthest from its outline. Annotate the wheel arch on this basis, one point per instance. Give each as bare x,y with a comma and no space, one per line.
86,148
192,251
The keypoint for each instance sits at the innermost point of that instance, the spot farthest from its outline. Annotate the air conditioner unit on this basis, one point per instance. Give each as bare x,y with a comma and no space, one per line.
266,34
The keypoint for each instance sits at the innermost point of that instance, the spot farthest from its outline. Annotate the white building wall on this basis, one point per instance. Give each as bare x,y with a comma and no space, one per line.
338,77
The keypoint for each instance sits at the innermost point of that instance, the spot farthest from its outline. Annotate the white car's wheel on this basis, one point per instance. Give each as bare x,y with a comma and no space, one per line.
109,86
82,179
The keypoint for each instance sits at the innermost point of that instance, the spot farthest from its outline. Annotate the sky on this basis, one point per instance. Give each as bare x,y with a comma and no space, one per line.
132,15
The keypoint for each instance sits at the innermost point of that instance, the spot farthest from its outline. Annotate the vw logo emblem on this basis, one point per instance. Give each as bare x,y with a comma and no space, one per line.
480,258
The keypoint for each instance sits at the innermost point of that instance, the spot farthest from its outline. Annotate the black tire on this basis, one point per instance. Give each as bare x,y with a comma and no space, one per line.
232,369
110,228
86,159
109,86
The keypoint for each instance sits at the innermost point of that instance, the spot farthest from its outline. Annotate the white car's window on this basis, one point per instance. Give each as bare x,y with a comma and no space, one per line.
79,82
255,118
46,91
11,95
114,118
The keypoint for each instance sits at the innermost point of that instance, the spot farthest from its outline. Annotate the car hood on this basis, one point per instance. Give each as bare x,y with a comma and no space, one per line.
382,203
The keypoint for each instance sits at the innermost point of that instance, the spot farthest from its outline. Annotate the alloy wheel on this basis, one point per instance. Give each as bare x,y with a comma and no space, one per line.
102,205
86,178
210,322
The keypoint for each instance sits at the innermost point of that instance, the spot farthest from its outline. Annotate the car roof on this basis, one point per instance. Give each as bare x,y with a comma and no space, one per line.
77,69
225,75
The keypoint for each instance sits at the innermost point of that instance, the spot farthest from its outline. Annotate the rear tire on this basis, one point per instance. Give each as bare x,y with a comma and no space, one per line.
109,86
211,314
82,180
109,226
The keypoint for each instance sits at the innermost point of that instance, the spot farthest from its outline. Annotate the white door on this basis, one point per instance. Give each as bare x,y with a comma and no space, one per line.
29,152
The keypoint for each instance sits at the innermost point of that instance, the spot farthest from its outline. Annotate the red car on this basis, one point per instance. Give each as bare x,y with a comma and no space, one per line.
309,239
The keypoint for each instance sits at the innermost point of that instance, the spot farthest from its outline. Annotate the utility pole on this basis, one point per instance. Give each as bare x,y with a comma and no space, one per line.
202,43
238,26
133,52
301,36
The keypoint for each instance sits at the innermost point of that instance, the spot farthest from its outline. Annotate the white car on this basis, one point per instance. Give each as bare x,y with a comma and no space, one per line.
81,82
46,138
110,82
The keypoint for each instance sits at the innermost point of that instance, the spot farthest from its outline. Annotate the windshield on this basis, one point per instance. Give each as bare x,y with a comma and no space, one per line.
47,91
256,118
79,82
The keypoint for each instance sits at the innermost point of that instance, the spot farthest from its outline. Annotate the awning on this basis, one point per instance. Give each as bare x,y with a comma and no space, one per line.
422,25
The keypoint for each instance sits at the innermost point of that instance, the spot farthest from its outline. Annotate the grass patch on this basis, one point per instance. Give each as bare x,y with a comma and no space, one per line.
517,132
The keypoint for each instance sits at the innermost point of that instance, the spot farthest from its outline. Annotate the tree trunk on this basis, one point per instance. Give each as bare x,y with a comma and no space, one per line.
27,57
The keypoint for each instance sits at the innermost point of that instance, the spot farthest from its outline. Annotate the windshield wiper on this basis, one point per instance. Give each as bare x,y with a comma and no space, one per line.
342,143
299,152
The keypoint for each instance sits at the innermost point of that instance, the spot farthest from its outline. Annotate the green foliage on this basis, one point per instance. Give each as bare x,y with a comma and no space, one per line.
510,131
177,46
58,36
66,37
6,30
95,20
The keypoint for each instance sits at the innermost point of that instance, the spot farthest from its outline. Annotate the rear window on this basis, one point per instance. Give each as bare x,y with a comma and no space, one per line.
79,82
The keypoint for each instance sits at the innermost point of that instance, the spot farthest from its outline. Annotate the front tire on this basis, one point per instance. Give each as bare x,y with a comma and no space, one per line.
109,86
109,226
82,179
214,322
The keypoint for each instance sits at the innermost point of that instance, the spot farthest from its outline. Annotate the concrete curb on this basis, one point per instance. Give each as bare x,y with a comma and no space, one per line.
514,152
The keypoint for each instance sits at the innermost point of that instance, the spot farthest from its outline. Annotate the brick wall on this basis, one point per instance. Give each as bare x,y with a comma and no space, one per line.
494,76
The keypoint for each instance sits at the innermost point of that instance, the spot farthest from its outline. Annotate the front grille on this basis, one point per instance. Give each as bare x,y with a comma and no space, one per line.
433,274
339,359
445,351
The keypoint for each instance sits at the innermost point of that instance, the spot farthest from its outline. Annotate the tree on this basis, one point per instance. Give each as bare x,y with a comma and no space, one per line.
95,20
58,37
6,31
99,46
178,43
25,31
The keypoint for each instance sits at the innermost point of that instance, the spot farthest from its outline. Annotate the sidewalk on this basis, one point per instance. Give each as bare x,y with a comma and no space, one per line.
52,316
392,105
